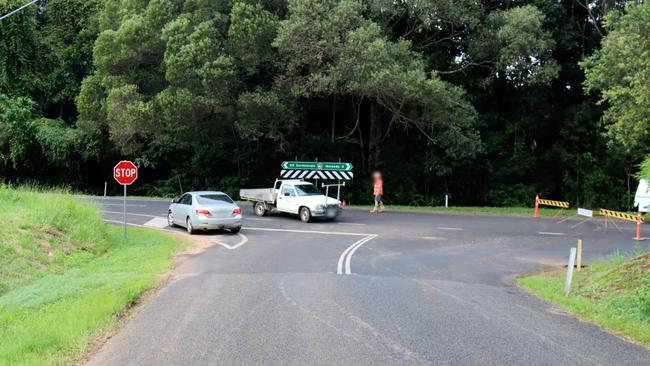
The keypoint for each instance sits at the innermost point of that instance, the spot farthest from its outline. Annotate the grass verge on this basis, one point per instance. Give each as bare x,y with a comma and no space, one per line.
614,295
66,277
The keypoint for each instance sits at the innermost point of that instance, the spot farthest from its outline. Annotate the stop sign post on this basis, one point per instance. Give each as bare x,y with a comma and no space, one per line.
125,173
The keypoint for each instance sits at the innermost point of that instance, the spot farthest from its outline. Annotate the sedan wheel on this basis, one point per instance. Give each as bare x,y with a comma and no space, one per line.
170,221
190,228
305,214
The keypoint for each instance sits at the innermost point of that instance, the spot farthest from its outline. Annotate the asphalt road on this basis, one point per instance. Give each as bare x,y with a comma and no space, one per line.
388,289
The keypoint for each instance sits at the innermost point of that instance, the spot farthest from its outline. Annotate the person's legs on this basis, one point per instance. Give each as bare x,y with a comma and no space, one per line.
377,200
381,204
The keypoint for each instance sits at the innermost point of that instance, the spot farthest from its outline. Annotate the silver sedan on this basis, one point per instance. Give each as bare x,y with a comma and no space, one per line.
205,210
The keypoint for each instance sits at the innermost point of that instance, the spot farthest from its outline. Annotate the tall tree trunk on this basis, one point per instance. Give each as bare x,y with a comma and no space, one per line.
374,136
333,117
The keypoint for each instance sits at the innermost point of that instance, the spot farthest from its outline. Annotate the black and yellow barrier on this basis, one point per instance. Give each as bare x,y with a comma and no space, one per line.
622,215
561,204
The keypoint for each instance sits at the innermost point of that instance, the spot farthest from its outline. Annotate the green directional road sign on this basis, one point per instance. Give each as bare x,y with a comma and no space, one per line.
316,165
336,166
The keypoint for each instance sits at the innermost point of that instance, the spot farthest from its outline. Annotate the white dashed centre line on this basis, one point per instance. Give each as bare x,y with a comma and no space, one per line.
450,228
549,233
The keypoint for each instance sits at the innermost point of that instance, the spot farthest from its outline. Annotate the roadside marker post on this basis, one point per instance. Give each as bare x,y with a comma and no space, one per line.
125,173
579,255
536,206
638,226
569,272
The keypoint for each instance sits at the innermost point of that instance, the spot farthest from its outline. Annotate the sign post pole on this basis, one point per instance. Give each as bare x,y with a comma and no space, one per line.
124,211
579,256
125,173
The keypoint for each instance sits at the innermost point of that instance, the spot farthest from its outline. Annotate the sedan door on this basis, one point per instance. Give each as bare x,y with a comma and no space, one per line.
182,209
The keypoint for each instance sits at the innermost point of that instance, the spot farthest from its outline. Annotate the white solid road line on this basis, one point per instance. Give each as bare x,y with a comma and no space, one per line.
256,219
346,256
241,242
157,222
351,249
339,266
450,228
351,223
122,205
130,213
549,233
130,224
305,231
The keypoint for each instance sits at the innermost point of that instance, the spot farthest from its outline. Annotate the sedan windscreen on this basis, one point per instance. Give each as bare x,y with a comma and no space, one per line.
307,190
211,199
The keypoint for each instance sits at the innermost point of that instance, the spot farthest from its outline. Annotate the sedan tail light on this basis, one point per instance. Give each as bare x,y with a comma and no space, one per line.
203,212
236,211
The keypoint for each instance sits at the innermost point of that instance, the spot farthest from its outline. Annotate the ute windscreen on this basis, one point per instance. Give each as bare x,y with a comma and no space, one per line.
307,190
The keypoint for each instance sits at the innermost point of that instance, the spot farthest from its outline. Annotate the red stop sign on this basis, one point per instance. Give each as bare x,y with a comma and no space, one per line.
125,172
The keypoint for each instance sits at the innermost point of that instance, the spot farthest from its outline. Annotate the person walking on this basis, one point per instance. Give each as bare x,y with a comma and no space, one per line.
378,192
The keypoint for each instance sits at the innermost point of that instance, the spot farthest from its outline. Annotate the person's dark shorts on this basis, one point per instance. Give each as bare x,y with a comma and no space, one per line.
378,198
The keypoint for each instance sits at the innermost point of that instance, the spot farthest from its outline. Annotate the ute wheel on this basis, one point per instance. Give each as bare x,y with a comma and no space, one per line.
170,221
259,209
190,228
305,214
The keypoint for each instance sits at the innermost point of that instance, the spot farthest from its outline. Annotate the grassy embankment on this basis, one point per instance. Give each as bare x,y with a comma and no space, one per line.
614,295
66,277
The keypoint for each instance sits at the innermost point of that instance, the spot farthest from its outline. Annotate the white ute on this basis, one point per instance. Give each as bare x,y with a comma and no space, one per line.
295,197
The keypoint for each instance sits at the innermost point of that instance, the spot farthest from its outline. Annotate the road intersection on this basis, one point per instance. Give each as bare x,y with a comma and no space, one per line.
395,288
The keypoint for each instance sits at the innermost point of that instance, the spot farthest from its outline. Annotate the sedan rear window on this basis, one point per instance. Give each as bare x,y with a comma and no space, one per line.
210,199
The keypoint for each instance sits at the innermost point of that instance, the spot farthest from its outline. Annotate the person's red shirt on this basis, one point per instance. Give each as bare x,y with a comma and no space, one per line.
378,187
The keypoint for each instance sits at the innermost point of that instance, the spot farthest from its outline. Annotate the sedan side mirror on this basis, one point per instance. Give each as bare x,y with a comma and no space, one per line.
287,194
175,200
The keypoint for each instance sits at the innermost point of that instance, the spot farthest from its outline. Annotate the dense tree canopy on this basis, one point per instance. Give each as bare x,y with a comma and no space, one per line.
620,70
481,100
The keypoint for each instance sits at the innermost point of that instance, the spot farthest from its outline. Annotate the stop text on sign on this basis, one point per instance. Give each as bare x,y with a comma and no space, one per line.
125,172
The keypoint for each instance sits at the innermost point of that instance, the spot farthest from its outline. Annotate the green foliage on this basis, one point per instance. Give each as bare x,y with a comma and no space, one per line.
480,100
263,115
644,169
525,49
250,35
15,129
620,70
